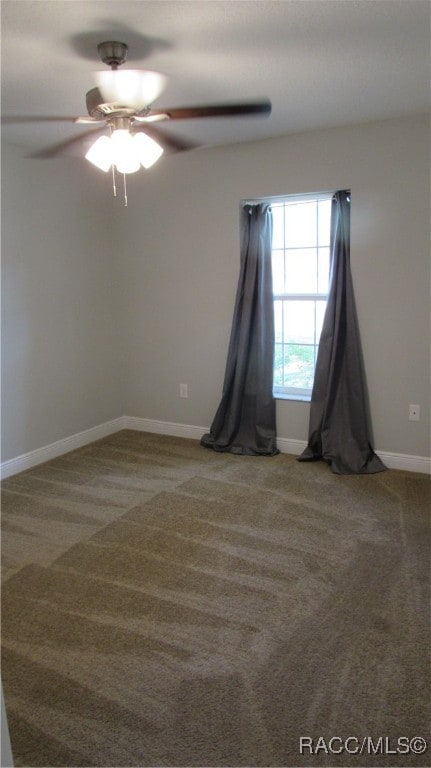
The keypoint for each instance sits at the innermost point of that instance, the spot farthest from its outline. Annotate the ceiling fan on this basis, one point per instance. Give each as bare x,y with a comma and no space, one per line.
121,113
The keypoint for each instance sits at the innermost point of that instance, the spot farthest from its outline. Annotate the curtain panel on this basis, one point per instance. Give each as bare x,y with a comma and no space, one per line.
245,419
340,425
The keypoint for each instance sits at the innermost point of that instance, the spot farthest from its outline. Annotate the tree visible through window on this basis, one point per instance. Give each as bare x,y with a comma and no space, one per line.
300,270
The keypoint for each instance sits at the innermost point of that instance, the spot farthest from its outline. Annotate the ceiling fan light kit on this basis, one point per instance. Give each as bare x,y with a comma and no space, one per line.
124,150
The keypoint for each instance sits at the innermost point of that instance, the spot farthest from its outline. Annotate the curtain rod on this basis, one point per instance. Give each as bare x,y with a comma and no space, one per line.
280,198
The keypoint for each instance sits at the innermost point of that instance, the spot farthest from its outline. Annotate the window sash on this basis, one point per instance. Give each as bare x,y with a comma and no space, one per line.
300,297
292,393
298,392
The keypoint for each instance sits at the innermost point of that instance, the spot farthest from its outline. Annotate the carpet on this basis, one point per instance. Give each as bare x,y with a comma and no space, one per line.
164,605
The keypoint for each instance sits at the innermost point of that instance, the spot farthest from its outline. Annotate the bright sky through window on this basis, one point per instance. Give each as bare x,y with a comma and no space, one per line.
300,266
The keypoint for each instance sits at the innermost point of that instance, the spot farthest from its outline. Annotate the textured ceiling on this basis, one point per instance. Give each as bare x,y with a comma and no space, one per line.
321,63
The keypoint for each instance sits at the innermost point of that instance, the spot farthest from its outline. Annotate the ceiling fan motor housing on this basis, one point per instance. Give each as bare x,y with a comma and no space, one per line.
113,53
100,109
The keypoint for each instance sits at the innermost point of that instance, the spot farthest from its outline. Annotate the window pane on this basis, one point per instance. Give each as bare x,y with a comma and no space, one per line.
278,320
301,225
277,226
278,365
301,271
320,313
298,365
299,321
324,221
300,264
323,274
277,272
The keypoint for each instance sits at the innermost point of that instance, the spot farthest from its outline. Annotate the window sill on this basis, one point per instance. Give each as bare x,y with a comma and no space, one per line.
300,398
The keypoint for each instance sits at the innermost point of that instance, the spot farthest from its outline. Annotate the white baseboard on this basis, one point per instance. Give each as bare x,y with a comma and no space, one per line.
391,460
164,427
47,452
184,430
420,464
285,445
295,447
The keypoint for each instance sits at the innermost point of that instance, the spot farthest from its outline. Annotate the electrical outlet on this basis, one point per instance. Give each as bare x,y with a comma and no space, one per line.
184,390
414,412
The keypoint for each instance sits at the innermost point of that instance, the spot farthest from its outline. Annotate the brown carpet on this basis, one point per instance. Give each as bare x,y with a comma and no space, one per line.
164,605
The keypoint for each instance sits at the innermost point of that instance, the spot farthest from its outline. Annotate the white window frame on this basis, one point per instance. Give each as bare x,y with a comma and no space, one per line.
298,393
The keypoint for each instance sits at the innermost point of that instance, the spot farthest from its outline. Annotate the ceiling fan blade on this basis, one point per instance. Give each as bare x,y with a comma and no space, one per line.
168,142
146,116
59,149
216,110
37,119
87,120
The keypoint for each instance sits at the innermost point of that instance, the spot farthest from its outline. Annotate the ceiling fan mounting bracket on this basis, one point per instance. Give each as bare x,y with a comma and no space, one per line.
113,53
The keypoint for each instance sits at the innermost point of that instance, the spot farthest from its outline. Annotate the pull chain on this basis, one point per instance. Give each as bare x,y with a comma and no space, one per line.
114,188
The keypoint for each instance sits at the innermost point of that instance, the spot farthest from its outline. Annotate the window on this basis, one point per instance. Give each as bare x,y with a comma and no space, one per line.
300,269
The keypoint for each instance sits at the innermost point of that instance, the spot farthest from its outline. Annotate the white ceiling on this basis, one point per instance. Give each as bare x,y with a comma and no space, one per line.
322,63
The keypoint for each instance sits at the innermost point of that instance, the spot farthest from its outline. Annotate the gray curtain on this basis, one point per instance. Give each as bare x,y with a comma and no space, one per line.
340,426
245,419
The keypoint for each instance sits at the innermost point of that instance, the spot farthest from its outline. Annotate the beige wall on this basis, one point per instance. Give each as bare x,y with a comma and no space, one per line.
107,309
183,263
60,304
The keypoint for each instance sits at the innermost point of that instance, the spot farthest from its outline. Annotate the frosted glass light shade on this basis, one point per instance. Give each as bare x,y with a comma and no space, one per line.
147,149
123,152
100,153
130,87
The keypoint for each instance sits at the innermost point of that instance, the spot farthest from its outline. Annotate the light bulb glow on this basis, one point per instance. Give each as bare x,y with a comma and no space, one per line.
131,87
147,150
100,153
123,152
